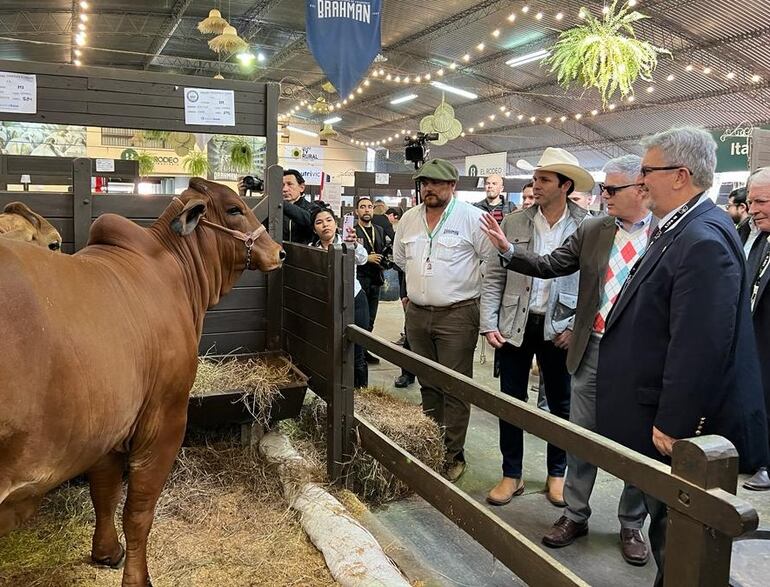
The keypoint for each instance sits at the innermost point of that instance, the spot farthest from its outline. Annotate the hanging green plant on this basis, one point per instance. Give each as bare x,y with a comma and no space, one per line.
196,163
146,163
241,155
604,53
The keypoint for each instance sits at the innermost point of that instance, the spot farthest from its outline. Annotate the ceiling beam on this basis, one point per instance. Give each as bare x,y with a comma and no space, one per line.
165,34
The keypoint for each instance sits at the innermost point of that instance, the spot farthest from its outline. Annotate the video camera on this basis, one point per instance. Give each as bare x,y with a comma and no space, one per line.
416,149
253,184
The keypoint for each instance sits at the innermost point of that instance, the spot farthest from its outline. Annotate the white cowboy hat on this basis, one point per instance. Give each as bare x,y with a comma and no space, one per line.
560,161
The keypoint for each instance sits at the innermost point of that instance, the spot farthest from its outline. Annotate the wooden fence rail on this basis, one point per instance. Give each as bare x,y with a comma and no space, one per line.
698,488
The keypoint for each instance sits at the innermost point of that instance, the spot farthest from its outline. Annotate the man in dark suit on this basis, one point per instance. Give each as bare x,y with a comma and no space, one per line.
603,249
297,224
678,357
759,276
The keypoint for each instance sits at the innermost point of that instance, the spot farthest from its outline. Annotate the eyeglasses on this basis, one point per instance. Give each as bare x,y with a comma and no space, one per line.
613,189
647,169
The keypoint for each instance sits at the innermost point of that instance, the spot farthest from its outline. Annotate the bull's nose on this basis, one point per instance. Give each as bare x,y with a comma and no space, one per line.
282,255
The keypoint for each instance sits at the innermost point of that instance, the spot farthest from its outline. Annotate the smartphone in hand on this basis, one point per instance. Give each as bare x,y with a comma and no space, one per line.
348,223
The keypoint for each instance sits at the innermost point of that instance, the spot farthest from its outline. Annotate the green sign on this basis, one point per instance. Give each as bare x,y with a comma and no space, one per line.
733,148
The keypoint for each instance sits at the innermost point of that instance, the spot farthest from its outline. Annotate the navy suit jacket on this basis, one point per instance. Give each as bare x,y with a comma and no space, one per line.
761,314
678,351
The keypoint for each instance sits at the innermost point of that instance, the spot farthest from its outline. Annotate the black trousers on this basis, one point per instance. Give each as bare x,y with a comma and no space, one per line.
515,363
360,368
372,293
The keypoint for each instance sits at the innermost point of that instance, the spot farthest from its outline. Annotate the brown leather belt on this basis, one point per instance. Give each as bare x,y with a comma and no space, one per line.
444,308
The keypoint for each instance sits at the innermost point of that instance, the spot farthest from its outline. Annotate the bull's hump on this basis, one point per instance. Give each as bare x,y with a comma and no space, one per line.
114,230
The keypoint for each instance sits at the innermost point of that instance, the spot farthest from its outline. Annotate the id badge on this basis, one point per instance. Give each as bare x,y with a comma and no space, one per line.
427,268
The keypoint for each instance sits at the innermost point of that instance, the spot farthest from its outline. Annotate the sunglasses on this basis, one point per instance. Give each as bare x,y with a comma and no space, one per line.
647,169
613,189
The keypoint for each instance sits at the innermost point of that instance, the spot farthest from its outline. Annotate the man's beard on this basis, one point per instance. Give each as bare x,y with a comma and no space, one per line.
366,218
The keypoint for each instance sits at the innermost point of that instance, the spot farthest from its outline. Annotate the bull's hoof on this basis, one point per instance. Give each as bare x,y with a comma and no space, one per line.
107,561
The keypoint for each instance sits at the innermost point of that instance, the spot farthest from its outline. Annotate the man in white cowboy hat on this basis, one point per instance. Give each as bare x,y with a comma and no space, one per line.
524,317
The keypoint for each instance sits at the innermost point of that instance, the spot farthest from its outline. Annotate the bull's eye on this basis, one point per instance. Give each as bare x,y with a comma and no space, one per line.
54,246
234,211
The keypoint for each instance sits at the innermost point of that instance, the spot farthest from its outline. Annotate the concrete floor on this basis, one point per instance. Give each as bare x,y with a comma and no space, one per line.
458,560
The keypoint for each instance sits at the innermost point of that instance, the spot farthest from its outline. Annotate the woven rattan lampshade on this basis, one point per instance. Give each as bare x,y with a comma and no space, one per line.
214,24
228,41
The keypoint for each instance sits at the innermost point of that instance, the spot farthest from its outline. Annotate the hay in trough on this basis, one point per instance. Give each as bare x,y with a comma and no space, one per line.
402,421
221,520
257,379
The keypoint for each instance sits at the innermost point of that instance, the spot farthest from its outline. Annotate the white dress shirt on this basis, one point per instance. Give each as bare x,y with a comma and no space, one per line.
547,238
458,249
754,232
361,259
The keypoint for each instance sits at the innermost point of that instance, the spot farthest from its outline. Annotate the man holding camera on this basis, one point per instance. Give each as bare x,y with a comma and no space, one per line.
370,276
440,248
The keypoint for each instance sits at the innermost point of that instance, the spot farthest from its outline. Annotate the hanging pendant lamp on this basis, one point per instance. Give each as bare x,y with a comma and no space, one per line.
214,24
228,41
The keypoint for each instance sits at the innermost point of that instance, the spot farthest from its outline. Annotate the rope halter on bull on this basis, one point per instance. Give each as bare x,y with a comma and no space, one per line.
248,239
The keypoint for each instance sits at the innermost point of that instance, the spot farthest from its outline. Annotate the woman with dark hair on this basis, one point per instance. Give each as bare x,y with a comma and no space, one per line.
325,228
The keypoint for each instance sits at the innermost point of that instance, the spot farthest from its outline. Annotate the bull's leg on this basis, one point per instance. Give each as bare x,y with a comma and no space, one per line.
14,513
154,449
106,483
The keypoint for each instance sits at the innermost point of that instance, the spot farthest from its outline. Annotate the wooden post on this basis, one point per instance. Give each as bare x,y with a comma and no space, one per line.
274,328
81,201
339,409
272,93
695,553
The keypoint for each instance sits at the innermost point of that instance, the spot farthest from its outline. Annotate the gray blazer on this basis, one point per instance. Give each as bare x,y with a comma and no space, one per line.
505,294
588,250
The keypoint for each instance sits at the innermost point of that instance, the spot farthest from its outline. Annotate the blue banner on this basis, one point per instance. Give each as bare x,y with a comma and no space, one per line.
344,38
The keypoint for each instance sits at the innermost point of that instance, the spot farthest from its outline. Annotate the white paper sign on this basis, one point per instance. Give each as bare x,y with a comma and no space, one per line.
105,165
382,178
18,93
483,165
333,196
209,107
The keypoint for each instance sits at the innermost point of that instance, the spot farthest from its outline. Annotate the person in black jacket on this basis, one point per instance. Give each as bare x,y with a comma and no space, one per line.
370,276
297,221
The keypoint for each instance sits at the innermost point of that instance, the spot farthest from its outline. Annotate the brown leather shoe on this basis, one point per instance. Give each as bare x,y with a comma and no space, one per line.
633,546
554,491
565,532
505,491
454,470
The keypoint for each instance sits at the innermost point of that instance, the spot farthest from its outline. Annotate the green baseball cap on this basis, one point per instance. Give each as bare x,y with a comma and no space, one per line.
438,169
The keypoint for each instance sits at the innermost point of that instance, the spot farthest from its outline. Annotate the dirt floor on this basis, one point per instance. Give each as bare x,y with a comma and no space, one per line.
221,521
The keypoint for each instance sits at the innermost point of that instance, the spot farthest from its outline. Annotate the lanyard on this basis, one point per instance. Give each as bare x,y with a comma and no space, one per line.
372,238
659,233
432,235
760,275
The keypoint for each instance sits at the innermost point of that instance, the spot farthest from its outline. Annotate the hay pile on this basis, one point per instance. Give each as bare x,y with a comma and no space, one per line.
259,380
402,421
220,521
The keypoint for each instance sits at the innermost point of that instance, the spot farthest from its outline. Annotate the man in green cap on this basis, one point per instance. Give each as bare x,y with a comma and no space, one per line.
439,247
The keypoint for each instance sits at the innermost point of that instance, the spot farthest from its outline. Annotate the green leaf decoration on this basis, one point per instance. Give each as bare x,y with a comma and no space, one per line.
241,155
156,135
604,53
196,163
146,163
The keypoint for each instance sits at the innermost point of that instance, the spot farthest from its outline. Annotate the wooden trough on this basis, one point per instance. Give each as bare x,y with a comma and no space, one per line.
223,407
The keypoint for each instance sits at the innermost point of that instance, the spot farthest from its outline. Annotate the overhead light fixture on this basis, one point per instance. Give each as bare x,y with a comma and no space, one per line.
333,120
84,5
77,62
84,17
528,58
80,39
454,90
403,99
302,131
246,57
261,57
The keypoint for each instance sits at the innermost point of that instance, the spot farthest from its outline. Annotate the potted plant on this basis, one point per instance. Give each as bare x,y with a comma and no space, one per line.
146,163
196,163
241,155
604,53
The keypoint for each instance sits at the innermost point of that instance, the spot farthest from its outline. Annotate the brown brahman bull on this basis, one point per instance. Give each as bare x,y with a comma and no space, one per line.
99,351
20,223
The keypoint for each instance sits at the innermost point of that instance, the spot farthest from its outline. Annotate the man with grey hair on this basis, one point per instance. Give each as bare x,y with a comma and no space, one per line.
759,277
678,358
604,249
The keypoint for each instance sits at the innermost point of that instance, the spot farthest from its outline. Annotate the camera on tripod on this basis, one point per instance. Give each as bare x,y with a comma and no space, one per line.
416,149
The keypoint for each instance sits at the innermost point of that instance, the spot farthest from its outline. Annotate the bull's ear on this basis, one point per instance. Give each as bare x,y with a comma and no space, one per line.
23,210
186,221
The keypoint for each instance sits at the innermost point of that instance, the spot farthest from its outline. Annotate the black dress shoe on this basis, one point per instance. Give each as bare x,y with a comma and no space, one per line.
371,359
403,381
760,481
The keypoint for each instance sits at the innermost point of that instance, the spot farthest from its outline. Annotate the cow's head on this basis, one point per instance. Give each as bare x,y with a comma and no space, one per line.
218,207
18,222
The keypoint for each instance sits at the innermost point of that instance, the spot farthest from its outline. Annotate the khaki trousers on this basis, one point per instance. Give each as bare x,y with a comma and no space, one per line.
447,336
